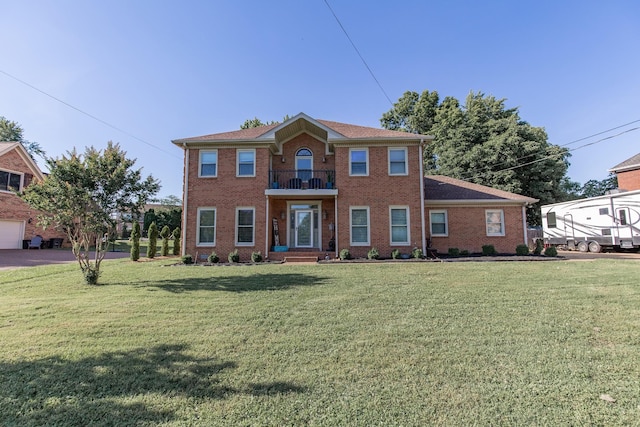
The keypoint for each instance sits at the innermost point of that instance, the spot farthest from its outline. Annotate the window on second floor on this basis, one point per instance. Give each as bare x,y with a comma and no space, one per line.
359,161
304,164
10,181
246,162
397,161
208,163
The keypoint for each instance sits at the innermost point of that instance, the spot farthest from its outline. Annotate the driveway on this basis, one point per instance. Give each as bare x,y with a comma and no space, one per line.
15,258
582,256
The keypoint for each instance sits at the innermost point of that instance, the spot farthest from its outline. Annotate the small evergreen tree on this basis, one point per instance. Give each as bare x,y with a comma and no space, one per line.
135,241
176,241
153,240
165,233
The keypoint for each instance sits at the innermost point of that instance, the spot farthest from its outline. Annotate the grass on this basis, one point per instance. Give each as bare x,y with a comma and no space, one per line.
513,343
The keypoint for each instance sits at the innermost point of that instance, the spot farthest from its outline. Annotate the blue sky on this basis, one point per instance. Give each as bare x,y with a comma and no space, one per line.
162,70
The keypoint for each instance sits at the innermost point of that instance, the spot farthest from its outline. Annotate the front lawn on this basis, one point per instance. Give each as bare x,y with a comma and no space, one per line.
411,344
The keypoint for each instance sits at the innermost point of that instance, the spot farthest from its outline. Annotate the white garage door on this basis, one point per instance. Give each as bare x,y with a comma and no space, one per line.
11,234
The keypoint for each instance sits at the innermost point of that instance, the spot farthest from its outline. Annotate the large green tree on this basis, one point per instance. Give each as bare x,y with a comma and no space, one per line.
82,193
484,142
12,132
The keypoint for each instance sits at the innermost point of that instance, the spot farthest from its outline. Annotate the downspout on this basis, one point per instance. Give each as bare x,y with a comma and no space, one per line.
524,224
185,196
266,231
422,219
335,226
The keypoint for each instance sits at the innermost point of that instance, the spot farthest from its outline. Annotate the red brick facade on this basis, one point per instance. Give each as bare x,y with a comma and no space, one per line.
629,180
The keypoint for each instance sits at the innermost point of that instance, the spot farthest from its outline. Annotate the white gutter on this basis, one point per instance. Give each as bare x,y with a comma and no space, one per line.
524,224
266,230
185,195
335,226
422,219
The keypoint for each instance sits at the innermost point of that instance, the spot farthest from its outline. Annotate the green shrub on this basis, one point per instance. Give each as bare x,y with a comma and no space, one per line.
213,258
176,241
454,252
152,248
91,275
345,254
165,233
489,250
551,251
417,253
256,256
135,242
539,247
373,254
187,259
234,256
464,252
522,250
395,254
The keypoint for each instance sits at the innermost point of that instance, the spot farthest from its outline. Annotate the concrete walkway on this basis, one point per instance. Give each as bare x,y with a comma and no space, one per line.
16,258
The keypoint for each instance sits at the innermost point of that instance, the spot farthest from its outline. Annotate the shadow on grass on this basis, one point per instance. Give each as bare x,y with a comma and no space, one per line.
101,390
256,282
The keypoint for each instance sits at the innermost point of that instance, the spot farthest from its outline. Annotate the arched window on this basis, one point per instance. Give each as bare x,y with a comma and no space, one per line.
304,164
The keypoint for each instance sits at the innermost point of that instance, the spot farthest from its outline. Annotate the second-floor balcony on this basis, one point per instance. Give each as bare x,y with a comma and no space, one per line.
302,179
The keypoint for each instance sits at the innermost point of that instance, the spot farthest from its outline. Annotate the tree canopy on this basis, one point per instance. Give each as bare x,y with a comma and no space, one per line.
82,193
484,142
12,132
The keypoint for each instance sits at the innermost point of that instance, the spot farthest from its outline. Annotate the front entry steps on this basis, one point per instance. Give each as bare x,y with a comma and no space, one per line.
293,256
306,258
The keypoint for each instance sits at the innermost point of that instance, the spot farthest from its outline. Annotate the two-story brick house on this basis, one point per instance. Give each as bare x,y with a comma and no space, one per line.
628,173
314,187
17,219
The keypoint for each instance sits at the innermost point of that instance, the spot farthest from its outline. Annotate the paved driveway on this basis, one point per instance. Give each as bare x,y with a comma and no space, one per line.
15,258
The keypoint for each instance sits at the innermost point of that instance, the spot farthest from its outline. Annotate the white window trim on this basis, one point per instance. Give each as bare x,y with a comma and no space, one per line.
200,164
446,223
486,217
253,226
245,150
408,225
366,151
14,173
406,160
351,242
215,226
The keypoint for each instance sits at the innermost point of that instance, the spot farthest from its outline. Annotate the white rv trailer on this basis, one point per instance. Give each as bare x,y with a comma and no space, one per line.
611,221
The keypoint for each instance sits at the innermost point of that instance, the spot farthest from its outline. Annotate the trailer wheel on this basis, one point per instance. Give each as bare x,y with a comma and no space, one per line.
594,247
583,247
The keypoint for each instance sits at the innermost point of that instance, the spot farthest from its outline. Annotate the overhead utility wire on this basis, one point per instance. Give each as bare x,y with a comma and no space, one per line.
358,52
88,114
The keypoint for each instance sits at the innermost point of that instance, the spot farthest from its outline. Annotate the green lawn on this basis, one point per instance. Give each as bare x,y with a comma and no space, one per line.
407,344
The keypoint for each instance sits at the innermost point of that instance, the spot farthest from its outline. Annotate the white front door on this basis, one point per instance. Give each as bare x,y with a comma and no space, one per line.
304,228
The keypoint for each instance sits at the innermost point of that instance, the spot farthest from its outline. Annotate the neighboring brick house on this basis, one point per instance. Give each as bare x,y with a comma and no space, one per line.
628,173
315,187
17,219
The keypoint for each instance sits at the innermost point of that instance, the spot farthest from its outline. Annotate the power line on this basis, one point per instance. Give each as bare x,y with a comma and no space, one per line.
358,52
88,114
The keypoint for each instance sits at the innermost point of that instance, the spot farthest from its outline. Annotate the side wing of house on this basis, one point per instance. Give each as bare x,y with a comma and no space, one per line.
628,173
467,216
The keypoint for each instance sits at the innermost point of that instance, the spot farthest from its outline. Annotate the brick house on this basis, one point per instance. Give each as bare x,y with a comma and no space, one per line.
17,219
628,173
314,187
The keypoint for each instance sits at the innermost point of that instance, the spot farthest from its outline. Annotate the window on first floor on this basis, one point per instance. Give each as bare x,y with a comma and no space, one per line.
245,226
10,181
206,227
438,223
399,223
495,222
359,224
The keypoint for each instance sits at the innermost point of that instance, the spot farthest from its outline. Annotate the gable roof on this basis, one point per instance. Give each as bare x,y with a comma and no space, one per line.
629,164
444,189
326,130
6,147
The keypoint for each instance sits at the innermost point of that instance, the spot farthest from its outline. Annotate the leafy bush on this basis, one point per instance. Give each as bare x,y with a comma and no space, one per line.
464,252
91,275
345,254
373,254
522,250
417,253
539,247
213,258
135,242
256,256
176,241
551,251
152,248
234,256
395,254
187,259
489,250
454,252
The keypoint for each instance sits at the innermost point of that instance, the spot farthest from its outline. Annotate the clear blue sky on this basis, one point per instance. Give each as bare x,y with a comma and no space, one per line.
162,70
